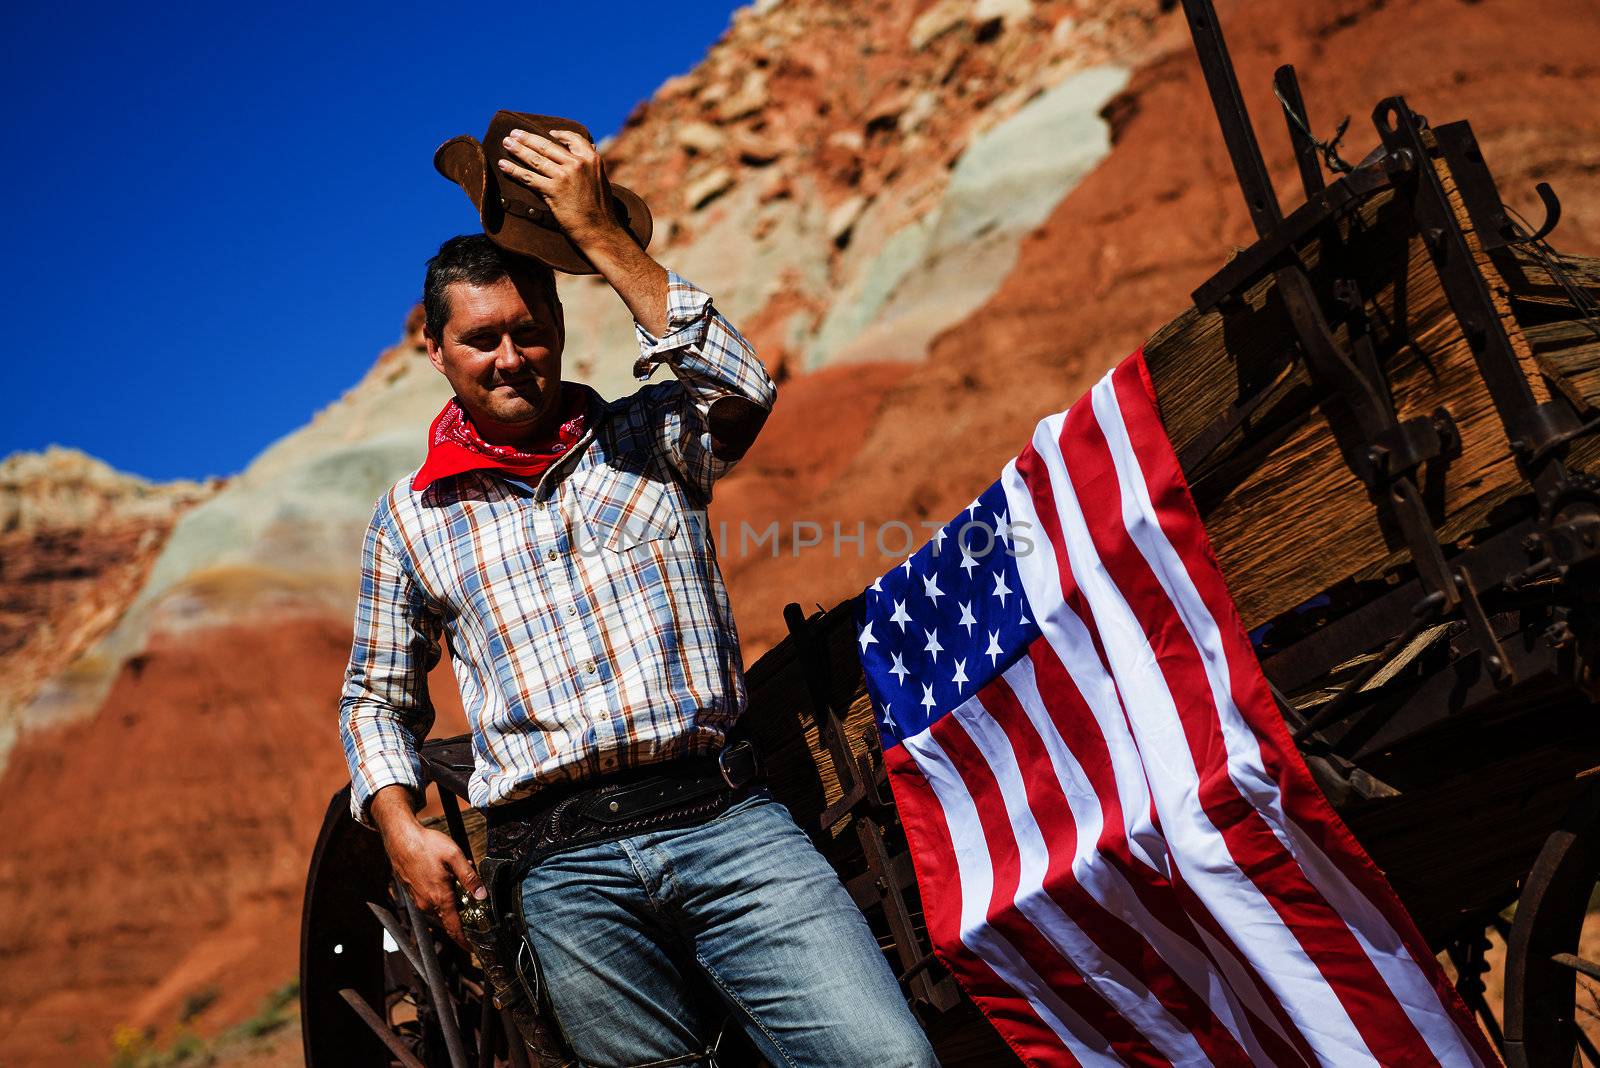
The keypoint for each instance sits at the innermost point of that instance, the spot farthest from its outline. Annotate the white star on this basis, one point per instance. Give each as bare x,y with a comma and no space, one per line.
1000,587
930,586
972,508
875,587
961,673
968,561
907,565
866,638
966,619
898,669
933,645
994,652
888,719
900,616
927,696
1025,618
938,541
1002,528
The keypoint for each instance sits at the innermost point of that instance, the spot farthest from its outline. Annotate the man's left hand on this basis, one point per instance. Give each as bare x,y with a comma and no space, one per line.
566,170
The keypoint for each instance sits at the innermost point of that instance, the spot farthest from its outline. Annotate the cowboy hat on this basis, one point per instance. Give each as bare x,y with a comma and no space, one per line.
515,217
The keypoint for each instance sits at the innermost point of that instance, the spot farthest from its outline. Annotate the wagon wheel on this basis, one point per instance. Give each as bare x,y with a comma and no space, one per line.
374,994
435,1000
1552,1002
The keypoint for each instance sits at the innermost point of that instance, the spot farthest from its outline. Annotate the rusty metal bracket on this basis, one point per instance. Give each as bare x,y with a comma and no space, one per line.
1533,429
1277,247
1538,432
1494,226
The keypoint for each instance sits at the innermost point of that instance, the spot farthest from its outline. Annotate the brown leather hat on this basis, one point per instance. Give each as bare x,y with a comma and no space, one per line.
514,216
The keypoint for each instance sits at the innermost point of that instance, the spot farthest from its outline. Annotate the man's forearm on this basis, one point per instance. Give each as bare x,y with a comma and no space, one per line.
639,280
393,810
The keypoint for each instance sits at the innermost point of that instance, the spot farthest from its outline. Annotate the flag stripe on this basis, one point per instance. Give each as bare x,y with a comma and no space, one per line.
1082,969
1233,798
1059,607
1022,1027
1124,412
952,808
1228,894
1062,807
1123,858
1181,966
1112,957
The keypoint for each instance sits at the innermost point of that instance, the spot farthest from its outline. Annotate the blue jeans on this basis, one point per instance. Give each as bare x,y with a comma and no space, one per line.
626,929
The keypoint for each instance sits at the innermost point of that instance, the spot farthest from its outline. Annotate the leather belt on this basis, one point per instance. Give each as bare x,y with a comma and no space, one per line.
657,797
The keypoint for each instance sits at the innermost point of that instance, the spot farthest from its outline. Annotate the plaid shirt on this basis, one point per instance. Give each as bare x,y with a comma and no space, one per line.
586,617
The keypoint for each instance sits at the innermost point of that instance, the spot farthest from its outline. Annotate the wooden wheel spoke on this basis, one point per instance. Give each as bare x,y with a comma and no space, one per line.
1577,963
406,1058
1589,1052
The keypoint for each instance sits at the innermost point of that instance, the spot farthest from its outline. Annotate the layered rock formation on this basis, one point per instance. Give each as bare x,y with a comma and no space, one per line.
77,540
937,220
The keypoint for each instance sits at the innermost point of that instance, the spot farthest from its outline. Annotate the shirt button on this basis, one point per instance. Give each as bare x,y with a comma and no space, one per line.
572,609
551,555
588,667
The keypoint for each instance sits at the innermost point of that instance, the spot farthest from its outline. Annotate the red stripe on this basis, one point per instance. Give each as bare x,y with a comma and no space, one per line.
1119,940
1302,801
933,857
1299,1050
1321,932
1074,721
1001,911
1181,913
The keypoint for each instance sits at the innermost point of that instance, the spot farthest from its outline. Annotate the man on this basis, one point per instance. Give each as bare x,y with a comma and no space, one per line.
557,541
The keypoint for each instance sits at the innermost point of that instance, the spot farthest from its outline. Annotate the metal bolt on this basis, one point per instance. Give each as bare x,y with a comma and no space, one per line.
614,806
1558,634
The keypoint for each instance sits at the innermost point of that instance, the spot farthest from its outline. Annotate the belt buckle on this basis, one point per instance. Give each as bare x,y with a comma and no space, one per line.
722,765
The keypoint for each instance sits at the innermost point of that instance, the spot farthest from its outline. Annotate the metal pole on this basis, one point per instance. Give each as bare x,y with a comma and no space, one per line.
434,977
1237,132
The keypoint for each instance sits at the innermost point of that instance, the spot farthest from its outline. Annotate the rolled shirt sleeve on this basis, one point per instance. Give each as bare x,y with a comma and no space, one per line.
711,360
384,707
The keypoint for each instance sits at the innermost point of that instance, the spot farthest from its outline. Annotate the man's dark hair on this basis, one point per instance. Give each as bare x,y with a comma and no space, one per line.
477,261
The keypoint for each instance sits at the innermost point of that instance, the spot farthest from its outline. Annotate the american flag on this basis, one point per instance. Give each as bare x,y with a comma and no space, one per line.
1121,855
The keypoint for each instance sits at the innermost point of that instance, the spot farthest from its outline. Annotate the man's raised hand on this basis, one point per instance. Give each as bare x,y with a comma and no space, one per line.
565,169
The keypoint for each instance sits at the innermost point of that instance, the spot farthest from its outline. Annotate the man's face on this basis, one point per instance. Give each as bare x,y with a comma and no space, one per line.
501,351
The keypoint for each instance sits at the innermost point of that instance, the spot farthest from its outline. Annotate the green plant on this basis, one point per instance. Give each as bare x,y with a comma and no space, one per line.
198,1001
274,1012
133,1047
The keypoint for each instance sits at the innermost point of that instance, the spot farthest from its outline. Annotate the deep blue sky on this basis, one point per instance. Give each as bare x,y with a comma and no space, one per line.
214,216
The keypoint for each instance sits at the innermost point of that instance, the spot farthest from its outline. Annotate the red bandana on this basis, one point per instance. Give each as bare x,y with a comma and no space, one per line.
454,445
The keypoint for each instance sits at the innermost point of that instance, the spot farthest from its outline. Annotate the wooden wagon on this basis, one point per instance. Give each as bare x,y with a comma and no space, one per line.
1386,409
